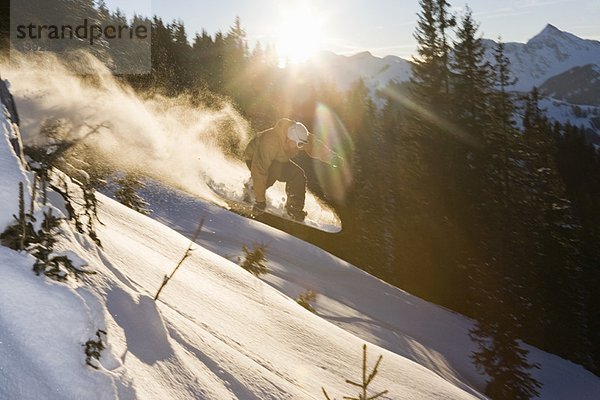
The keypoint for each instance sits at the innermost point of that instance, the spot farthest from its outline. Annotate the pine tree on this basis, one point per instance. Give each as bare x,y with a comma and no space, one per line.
162,58
364,199
306,298
367,379
579,165
502,149
182,58
554,236
19,235
471,77
472,86
254,260
427,75
445,21
235,62
126,194
500,355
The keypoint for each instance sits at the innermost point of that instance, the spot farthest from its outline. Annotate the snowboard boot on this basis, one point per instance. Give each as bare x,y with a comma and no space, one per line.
295,211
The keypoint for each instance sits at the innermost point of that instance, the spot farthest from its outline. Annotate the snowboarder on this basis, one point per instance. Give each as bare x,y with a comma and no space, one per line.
269,158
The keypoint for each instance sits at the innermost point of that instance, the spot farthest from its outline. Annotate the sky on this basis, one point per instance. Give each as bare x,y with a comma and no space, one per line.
383,27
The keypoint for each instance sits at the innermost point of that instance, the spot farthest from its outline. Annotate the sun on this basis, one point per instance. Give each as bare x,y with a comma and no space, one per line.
299,35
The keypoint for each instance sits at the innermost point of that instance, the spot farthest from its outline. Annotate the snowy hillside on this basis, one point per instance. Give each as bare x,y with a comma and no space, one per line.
217,332
581,116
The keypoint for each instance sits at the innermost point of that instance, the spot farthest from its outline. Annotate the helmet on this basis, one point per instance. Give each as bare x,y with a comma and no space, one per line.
298,133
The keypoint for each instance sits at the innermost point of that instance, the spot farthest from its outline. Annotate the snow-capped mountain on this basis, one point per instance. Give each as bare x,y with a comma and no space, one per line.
564,66
376,72
546,55
549,53
579,85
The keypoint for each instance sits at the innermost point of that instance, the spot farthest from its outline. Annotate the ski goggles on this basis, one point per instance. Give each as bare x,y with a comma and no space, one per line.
301,143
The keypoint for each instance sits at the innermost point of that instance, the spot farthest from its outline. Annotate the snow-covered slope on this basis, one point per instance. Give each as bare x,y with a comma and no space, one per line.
217,332
11,173
587,117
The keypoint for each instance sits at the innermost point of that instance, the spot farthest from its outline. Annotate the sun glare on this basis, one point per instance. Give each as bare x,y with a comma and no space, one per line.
299,35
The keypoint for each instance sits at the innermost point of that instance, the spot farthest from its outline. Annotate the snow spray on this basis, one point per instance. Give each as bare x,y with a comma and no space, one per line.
172,140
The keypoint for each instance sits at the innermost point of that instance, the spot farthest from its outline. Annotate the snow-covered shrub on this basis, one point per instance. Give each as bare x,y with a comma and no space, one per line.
18,235
255,259
40,243
54,265
126,194
53,154
306,298
93,348
77,210
366,381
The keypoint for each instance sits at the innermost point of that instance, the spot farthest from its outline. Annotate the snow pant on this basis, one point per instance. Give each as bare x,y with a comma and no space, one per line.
295,181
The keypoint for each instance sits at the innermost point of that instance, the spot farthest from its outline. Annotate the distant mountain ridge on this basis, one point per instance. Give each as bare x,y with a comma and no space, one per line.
546,55
549,53
579,85
377,72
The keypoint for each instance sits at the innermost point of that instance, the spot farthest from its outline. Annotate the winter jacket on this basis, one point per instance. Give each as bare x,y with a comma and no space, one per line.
268,146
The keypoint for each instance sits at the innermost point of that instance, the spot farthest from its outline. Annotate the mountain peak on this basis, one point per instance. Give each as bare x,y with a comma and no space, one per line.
363,54
550,36
550,30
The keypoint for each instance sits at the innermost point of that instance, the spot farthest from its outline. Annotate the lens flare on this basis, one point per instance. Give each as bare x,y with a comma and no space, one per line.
329,128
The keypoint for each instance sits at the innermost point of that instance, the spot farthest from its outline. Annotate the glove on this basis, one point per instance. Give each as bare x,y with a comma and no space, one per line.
337,161
259,208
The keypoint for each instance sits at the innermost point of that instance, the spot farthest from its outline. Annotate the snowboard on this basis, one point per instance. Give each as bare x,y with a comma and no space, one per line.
320,216
275,215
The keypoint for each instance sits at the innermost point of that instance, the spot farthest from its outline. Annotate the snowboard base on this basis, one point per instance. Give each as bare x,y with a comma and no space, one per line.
270,217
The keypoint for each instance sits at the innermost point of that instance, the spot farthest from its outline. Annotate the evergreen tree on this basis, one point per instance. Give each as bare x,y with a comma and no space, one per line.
162,57
235,62
127,195
364,200
500,355
554,238
255,260
502,149
427,76
445,21
204,67
181,55
579,165
471,78
471,88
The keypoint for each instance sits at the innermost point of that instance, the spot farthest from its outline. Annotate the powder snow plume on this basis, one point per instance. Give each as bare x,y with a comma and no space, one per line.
168,139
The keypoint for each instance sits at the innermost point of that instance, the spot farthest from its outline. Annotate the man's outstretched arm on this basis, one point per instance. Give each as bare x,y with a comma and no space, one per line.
317,149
